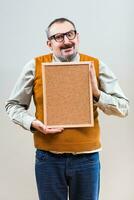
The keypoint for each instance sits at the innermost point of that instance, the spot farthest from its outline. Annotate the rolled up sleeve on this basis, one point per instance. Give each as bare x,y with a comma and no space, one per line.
112,100
19,101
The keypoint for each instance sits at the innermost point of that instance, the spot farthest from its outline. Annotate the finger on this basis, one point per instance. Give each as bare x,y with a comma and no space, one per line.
53,130
57,129
92,70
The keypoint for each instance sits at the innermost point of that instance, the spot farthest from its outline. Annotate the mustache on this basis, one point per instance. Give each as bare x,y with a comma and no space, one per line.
66,46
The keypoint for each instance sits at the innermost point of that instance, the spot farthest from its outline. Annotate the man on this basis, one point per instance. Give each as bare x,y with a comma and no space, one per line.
67,160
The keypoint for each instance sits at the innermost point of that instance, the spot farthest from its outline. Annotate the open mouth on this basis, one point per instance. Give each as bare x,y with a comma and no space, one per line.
69,46
67,49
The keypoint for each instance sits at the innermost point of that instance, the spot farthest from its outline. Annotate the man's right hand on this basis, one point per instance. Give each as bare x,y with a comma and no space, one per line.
38,125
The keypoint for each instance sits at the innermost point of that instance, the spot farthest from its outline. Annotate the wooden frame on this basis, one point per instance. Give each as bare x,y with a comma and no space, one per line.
67,95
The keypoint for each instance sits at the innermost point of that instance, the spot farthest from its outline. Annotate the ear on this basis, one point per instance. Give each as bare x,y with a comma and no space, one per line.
78,37
49,44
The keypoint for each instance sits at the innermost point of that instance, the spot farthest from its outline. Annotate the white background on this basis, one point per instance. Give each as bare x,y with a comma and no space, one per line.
106,31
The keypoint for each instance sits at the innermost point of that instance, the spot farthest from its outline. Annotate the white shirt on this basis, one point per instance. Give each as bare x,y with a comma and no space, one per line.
112,100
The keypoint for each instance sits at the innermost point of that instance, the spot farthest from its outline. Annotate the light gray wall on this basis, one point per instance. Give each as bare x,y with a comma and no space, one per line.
106,30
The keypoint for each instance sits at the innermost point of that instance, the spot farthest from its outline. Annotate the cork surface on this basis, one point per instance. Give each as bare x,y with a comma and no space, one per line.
67,95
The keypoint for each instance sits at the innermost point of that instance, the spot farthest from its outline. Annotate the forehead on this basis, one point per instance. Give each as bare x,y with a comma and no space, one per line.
60,28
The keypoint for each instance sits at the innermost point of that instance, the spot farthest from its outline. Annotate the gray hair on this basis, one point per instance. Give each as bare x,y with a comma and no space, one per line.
58,20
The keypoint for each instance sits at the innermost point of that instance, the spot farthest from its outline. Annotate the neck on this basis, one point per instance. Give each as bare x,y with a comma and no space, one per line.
69,59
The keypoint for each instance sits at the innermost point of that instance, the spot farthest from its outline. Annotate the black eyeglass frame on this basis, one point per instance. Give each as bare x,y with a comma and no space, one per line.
63,34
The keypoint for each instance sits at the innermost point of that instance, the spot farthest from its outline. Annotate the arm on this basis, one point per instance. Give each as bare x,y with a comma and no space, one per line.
111,99
20,98
19,101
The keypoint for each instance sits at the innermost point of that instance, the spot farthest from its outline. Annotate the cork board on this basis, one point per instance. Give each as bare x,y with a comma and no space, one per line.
67,95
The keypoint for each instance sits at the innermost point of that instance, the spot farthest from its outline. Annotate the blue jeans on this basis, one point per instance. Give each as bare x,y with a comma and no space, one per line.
60,175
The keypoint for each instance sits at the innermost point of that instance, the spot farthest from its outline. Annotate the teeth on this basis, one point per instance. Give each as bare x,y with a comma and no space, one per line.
68,48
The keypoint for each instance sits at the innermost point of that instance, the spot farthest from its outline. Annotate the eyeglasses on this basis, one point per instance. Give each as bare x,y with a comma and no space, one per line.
59,37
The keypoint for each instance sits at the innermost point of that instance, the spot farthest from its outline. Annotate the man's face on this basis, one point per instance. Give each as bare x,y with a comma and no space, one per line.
66,49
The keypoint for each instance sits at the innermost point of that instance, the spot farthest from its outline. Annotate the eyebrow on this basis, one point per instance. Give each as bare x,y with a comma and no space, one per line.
61,33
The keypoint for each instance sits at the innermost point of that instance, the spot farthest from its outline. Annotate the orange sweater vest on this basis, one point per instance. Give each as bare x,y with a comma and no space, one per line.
71,139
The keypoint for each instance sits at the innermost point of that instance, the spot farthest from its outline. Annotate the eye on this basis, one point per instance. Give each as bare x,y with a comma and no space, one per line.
59,37
71,34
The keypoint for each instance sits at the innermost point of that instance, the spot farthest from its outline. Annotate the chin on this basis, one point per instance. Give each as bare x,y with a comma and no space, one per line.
69,56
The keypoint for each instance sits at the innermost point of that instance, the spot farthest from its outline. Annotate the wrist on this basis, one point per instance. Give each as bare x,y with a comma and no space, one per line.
32,128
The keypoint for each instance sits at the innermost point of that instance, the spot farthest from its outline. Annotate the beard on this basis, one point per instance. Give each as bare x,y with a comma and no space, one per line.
67,58
70,57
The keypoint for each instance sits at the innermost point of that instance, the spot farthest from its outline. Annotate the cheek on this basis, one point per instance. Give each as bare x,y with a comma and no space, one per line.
56,49
56,46
75,42
77,45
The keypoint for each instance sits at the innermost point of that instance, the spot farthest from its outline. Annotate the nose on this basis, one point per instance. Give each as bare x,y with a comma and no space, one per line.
66,40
